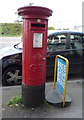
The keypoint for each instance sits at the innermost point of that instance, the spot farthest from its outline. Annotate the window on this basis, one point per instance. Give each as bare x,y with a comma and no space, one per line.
57,43
76,42
57,39
83,41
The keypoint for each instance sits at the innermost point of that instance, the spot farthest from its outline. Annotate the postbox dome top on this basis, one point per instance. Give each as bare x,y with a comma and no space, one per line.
34,11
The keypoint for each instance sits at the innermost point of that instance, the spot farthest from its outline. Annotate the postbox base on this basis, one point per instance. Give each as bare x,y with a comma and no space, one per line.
33,96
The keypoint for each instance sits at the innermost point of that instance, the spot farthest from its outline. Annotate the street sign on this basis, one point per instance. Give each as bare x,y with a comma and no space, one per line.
57,96
61,75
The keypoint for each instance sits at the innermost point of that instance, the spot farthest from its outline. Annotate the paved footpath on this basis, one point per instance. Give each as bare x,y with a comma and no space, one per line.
74,90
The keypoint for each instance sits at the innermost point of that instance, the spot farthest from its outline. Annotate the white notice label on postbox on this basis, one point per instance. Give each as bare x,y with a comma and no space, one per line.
37,40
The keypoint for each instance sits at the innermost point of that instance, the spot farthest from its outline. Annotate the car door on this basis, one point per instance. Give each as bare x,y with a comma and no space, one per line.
57,45
75,53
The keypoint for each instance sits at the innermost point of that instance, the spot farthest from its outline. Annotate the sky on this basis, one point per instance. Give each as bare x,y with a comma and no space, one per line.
66,13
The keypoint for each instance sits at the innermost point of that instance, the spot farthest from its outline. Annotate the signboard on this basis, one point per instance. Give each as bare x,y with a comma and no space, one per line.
37,40
61,75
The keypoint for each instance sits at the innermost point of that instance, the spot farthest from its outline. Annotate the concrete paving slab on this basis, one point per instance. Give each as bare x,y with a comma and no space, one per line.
74,90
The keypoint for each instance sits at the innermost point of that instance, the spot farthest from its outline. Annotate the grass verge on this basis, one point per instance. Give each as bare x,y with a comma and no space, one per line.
15,101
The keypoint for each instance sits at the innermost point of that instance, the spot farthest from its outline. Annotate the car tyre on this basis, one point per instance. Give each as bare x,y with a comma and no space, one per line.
12,76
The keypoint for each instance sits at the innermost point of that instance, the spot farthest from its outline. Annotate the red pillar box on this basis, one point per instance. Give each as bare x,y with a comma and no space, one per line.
35,26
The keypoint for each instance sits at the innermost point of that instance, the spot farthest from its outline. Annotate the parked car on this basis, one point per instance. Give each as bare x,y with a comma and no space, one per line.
68,44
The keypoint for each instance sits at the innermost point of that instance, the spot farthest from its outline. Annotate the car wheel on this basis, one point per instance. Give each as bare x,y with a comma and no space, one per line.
12,76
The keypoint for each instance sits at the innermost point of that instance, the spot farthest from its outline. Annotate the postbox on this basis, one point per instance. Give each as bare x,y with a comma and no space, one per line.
35,26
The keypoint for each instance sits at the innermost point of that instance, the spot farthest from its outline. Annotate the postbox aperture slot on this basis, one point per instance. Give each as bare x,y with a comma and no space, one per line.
37,25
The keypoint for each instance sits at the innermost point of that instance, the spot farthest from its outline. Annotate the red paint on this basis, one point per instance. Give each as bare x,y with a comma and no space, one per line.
35,20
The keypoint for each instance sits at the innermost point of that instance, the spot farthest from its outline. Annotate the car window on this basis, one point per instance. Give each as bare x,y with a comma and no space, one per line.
56,47
76,42
83,41
57,43
57,39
